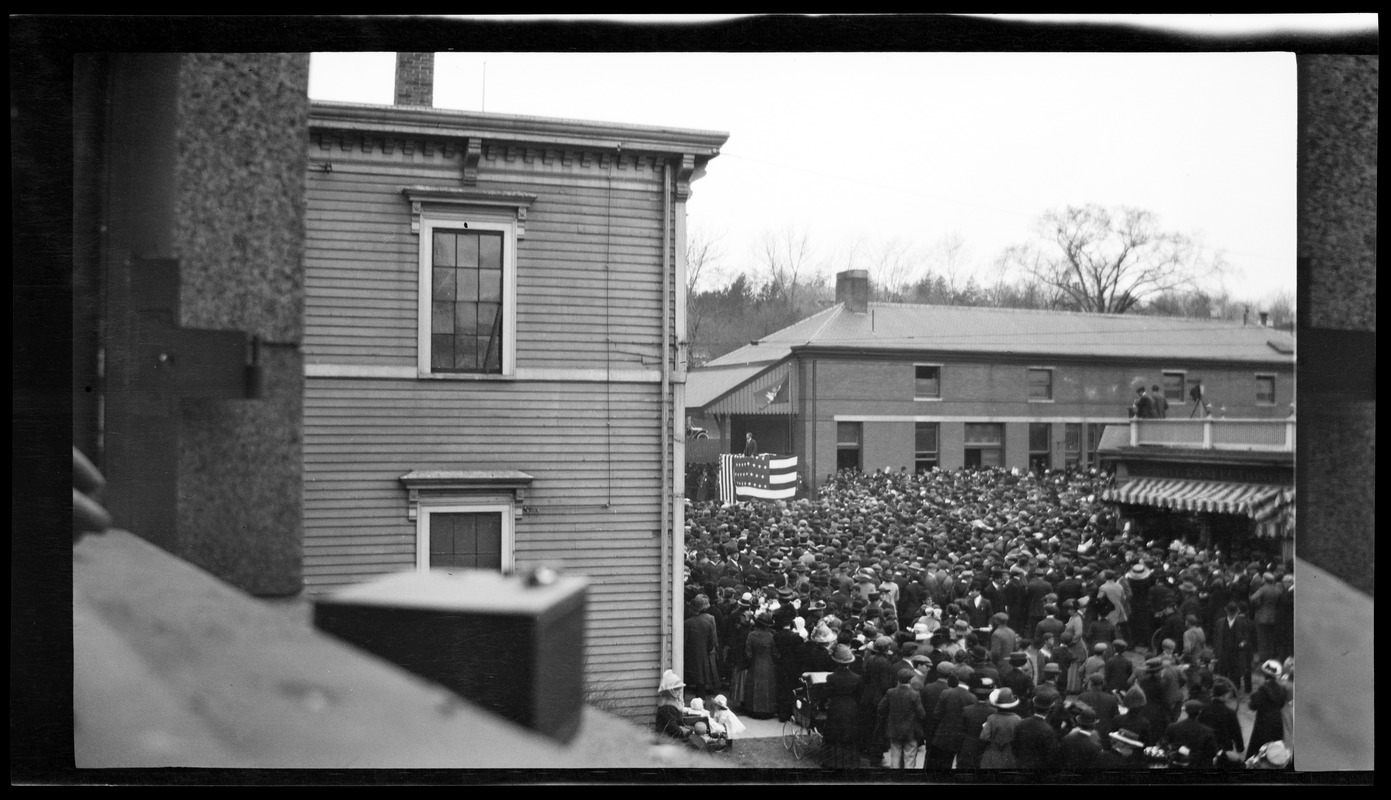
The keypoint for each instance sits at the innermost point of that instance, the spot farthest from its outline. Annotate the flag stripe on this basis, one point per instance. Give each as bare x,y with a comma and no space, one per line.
766,494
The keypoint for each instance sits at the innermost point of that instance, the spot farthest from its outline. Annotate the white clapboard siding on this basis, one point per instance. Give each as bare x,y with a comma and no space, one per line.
589,297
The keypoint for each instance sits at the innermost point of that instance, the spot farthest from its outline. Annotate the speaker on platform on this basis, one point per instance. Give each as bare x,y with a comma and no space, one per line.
512,644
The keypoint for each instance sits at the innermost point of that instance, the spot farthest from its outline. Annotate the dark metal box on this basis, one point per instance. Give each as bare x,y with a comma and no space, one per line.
512,645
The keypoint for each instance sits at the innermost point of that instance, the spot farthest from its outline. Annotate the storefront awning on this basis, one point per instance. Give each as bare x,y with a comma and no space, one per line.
1271,507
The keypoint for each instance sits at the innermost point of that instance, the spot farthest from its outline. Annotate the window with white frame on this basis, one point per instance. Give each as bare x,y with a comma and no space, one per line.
459,536
927,381
465,519
1040,384
468,278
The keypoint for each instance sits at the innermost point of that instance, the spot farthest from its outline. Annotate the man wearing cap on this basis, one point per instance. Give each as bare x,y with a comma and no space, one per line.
1197,738
1003,639
951,707
900,716
1035,740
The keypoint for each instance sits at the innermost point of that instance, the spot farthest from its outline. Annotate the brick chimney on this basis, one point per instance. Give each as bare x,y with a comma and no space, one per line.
852,289
415,79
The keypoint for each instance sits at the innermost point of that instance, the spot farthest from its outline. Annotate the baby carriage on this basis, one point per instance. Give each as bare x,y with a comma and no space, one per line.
802,732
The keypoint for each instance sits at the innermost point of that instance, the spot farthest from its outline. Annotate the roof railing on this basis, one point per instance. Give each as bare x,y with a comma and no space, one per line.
1215,434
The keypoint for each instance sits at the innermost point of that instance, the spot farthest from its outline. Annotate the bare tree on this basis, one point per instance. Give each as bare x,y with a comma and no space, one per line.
947,257
1107,261
703,250
785,261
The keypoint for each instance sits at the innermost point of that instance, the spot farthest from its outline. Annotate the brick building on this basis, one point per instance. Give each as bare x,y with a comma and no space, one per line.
866,385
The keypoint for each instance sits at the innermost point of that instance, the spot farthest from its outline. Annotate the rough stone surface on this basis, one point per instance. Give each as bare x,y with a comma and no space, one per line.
242,150
1338,188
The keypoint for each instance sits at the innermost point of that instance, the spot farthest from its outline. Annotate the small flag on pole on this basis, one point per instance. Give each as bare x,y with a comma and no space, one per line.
775,394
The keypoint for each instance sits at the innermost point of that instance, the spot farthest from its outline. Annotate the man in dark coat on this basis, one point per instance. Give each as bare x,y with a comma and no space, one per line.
1070,587
951,706
1190,733
930,693
901,716
1015,600
1220,715
1035,741
702,642
1080,746
1103,703
789,648
973,719
1119,668
1035,591
1232,642
978,609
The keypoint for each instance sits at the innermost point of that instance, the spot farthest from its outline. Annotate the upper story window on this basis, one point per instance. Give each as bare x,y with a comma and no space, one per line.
468,278
1265,390
1040,383
466,286
927,381
1175,390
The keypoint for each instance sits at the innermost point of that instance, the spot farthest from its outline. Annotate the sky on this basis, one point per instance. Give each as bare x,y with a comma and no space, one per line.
859,150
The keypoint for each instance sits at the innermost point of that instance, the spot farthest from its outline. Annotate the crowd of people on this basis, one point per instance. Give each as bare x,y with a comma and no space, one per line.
987,618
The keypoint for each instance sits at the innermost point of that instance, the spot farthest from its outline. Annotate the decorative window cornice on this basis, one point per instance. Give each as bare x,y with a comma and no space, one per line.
516,203
445,485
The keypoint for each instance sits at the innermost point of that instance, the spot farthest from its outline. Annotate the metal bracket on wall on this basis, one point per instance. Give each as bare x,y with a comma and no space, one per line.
175,362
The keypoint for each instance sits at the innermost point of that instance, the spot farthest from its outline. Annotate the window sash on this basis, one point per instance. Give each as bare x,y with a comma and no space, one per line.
467,294
1175,390
1040,384
1265,390
985,434
925,439
1040,437
927,381
848,434
465,535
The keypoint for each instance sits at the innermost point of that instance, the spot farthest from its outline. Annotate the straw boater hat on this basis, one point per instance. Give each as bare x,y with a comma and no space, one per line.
1272,668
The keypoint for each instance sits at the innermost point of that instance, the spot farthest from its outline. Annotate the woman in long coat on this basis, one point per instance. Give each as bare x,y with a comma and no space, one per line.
702,641
760,700
998,731
738,661
841,730
1268,701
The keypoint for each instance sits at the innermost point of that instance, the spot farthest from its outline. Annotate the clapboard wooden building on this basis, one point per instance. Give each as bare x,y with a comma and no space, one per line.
868,385
494,334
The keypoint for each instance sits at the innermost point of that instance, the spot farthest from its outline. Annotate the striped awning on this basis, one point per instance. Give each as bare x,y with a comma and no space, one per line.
1271,507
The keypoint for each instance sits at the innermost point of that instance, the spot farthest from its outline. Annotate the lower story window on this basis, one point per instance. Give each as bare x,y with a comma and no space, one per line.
925,446
465,537
1040,446
1072,444
848,445
985,444
1094,430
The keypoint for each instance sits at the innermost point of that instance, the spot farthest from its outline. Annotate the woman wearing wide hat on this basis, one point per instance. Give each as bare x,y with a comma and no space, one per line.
842,727
998,732
1267,701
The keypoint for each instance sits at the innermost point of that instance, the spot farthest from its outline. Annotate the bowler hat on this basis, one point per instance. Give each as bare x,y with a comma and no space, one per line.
1003,698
